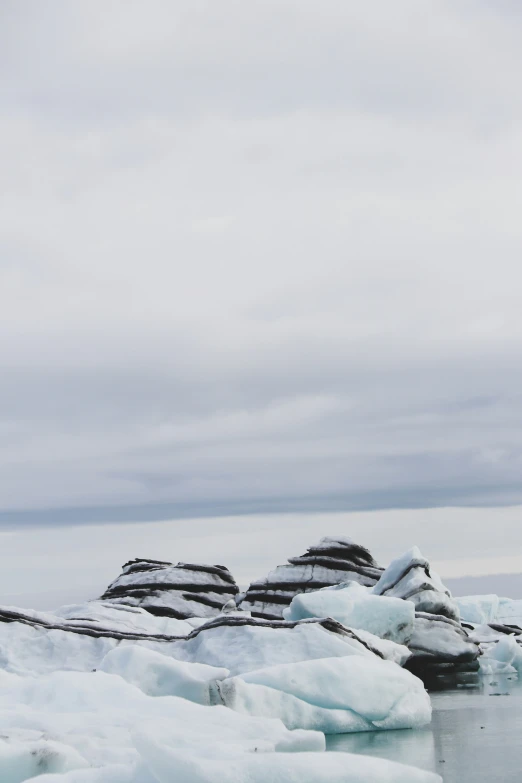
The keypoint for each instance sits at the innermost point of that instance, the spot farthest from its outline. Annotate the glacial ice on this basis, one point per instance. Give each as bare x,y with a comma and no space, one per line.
411,578
166,678
257,644
159,675
329,562
482,609
344,694
180,591
169,765
353,605
502,655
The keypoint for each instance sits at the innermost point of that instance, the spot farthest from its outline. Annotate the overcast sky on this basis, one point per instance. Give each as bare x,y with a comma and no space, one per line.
260,255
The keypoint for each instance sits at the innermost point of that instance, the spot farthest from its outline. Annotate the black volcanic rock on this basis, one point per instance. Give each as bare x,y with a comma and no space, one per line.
331,561
181,591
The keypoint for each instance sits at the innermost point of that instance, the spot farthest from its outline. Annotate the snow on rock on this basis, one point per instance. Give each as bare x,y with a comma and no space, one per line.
159,675
334,695
356,607
181,591
169,765
329,562
411,578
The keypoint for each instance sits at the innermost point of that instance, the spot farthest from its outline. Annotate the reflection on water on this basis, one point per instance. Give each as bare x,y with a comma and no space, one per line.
475,735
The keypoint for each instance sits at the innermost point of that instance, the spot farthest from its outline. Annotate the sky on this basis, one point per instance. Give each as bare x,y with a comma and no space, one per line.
474,550
257,257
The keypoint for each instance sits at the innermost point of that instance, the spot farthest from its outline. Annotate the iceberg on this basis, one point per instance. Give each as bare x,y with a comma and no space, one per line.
441,646
243,644
356,607
486,609
329,562
181,591
334,695
173,675
411,578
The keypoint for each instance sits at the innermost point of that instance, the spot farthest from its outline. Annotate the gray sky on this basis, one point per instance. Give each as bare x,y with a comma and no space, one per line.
81,560
259,255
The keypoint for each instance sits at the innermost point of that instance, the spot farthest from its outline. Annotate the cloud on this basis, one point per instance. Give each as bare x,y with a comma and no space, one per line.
260,254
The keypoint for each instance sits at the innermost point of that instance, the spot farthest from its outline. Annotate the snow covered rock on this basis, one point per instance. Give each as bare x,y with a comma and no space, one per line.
411,578
331,561
334,695
356,607
181,591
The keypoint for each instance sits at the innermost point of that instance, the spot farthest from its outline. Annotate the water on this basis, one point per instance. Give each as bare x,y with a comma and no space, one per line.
475,735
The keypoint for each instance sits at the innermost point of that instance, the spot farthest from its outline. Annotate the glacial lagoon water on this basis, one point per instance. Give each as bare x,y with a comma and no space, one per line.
475,735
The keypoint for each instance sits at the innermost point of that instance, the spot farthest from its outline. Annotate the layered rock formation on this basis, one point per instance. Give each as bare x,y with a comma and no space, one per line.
181,591
331,561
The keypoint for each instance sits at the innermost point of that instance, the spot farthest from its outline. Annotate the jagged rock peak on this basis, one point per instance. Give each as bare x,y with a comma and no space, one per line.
331,561
183,590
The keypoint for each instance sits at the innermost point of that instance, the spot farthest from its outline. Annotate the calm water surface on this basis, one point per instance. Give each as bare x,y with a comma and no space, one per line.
475,735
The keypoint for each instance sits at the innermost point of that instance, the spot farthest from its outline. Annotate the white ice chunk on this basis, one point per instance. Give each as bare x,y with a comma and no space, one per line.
159,675
374,693
176,765
353,605
502,656
509,611
248,647
481,609
22,760
478,609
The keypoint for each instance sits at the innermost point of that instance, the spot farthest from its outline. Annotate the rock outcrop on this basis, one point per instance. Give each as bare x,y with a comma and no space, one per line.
331,561
181,591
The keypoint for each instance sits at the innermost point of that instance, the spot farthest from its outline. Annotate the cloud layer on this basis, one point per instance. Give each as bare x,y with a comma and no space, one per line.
260,252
